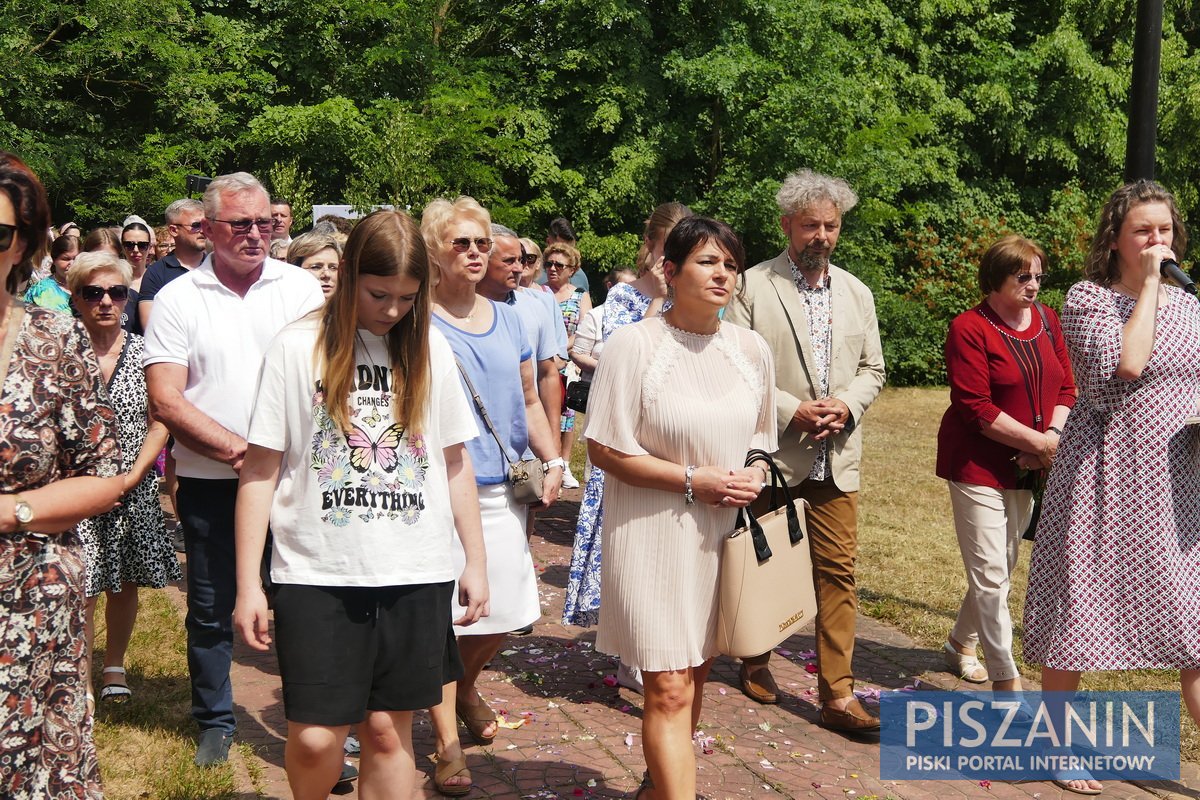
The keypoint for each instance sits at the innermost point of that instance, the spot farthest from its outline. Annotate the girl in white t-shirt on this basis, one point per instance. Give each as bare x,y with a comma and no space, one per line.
356,458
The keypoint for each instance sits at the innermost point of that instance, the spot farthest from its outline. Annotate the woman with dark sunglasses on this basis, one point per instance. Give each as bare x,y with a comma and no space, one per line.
61,465
1010,391
127,547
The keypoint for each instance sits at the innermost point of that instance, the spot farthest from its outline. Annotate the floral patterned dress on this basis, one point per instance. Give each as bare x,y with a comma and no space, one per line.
130,543
624,304
56,424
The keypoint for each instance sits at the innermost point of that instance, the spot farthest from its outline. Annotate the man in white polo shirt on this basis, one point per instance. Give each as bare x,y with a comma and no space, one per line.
204,348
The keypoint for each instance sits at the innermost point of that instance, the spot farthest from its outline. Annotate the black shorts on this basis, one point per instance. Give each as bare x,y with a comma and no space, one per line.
346,650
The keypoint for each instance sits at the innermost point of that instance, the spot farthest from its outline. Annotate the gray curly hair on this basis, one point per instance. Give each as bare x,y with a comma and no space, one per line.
802,188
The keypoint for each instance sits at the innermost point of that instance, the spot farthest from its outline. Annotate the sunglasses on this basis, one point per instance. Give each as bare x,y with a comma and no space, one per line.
193,228
243,226
557,265
7,232
93,294
462,244
1025,277
143,246
529,258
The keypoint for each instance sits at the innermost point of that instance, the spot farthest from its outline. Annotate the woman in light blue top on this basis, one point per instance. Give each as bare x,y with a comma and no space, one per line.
489,342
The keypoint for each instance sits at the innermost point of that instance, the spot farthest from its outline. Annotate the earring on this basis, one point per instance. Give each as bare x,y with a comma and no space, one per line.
670,293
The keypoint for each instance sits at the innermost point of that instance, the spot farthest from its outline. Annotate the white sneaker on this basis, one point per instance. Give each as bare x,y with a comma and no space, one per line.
568,481
630,678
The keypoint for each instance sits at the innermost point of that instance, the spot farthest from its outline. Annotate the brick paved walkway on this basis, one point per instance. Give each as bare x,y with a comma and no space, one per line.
580,736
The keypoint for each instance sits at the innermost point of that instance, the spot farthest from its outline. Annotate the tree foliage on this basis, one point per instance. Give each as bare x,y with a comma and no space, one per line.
955,120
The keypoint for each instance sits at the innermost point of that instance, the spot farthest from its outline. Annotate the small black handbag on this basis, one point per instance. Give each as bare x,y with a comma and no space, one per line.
577,395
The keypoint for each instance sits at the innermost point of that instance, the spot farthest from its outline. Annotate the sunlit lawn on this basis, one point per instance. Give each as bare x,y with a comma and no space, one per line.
146,745
910,573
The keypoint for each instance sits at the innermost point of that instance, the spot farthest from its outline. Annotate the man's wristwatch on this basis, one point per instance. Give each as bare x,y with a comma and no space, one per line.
552,463
23,512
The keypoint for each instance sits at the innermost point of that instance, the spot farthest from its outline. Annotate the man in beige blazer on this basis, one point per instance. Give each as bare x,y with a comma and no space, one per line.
820,323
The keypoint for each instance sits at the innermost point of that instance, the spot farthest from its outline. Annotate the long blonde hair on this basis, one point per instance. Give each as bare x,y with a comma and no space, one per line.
384,243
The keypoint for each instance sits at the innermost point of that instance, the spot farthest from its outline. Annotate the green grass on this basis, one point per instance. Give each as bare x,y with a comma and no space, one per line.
146,745
909,572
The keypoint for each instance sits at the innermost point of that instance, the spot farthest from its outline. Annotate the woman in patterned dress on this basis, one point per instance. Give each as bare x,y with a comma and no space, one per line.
625,303
61,464
128,547
679,400
1114,583
561,262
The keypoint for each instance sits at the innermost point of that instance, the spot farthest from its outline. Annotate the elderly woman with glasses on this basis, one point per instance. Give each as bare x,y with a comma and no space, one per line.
61,465
1010,391
318,253
128,547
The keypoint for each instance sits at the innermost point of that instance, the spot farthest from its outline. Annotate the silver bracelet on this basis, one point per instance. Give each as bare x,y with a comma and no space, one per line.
688,497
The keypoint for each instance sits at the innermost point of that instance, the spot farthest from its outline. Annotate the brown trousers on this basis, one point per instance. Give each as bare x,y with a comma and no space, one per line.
833,539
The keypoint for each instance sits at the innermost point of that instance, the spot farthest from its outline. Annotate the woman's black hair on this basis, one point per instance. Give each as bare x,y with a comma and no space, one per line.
691,232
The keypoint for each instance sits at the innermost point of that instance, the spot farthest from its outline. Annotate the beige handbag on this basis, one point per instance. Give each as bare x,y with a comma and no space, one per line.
766,590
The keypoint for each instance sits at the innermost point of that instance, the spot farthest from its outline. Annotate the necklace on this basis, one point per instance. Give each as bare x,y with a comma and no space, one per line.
464,317
366,350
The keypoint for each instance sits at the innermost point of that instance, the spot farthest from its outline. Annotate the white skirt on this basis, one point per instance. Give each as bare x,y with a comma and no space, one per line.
512,582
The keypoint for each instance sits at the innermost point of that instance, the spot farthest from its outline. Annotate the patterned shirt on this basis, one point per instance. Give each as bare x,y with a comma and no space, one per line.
820,332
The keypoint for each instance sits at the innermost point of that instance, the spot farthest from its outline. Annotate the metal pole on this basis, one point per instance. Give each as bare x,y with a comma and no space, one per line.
1143,92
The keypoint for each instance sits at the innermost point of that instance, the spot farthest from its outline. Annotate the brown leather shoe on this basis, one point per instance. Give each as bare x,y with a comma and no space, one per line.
759,685
855,719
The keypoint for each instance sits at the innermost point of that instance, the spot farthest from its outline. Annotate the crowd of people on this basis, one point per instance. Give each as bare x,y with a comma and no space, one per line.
365,493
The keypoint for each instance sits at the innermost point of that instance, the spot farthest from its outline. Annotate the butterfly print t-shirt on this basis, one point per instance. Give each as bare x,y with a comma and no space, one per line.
367,507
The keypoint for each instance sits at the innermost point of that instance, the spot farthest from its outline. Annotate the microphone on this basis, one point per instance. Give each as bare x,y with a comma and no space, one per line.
1170,269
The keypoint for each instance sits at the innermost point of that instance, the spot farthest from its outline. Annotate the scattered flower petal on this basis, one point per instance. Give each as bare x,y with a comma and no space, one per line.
810,668
610,680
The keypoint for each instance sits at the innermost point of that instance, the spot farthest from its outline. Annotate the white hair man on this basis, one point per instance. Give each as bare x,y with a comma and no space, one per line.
820,323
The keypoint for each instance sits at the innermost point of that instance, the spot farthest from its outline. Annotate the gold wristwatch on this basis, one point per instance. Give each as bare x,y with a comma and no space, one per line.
23,512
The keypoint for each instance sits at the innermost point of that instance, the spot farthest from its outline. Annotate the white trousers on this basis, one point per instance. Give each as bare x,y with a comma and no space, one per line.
989,523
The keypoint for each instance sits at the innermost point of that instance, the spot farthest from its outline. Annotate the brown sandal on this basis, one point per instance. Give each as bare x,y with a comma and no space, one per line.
476,717
445,770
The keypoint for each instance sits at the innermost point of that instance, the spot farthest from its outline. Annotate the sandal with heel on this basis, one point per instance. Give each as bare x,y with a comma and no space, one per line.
966,667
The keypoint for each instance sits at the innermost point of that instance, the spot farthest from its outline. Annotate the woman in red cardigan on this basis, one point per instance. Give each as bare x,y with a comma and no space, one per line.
1010,391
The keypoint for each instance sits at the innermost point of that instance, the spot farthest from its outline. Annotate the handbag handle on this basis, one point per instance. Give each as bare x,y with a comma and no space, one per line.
483,411
746,519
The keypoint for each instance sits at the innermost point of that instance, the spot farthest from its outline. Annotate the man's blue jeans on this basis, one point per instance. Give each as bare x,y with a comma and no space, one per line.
206,513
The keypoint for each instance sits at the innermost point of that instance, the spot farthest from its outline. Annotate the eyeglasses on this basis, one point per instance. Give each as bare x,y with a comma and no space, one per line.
6,236
556,265
193,228
462,244
93,294
143,246
243,226
1025,277
529,258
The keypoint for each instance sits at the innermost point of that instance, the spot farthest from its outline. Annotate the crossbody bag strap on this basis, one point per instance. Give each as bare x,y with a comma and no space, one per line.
1045,321
482,410
16,315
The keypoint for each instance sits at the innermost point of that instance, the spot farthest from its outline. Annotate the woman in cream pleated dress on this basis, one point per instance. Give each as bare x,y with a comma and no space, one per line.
676,403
